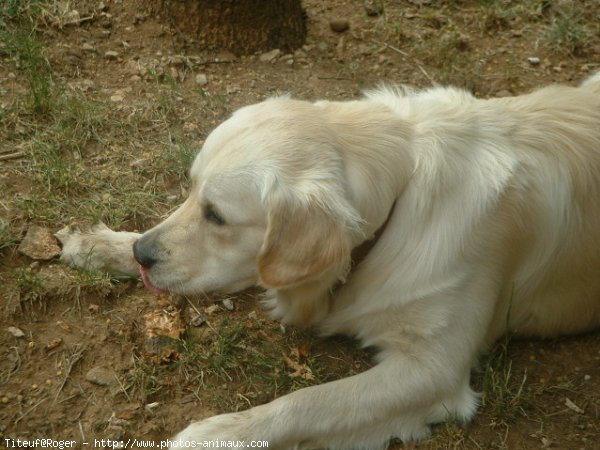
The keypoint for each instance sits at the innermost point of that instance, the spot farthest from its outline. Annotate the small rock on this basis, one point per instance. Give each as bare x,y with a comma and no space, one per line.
53,344
150,406
177,61
100,376
534,60
111,54
102,7
135,78
270,56
16,332
210,310
105,34
88,47
339,25
39,243
87,85
587,377
233,89
198,321
72,17
117,98
373,8
228,304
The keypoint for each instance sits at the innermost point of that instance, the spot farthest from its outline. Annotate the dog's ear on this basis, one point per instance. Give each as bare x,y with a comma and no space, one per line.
302,242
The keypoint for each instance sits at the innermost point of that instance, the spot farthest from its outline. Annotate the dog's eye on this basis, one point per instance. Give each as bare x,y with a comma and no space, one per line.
212,216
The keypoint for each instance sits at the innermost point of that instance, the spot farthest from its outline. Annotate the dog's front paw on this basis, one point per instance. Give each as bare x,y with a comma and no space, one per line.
100,248
234,429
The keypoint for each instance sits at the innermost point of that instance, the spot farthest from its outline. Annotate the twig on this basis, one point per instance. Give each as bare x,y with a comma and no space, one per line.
122,387
81,431
14,155
215,61
75,356
22,416
407,55
17,364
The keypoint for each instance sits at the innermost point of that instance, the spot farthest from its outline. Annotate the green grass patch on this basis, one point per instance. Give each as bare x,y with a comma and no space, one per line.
505,395
568,33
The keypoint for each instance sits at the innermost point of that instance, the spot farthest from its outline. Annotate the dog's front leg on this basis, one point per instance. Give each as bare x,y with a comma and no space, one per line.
399,397
422,378
99,248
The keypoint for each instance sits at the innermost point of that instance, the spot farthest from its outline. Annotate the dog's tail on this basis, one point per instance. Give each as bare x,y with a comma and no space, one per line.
592,83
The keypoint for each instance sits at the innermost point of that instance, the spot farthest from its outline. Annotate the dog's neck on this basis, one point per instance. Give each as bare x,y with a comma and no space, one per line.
360,252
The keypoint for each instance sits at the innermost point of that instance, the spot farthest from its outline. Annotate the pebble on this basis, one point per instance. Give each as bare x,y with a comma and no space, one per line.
72,17
201,79
111,54
228,304
534,60
270,56
88,47
16,332
40,244
198,321
339,25
100,376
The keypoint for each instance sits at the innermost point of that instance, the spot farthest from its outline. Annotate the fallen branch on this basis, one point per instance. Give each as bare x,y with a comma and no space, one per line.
14,155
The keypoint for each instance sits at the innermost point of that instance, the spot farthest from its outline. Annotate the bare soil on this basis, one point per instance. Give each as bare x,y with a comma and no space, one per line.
150,97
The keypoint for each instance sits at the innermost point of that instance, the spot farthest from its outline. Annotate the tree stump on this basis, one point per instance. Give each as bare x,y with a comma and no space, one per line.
240,26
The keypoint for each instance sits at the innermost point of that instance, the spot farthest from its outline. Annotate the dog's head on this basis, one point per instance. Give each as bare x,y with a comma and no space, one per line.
268,205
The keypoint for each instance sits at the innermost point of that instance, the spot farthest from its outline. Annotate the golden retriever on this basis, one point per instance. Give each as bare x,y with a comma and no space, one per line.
487,220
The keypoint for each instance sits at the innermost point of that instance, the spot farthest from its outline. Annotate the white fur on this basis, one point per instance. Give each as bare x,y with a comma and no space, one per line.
495,229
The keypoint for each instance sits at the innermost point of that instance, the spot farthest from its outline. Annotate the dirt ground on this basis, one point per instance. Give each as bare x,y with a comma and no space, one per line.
102,107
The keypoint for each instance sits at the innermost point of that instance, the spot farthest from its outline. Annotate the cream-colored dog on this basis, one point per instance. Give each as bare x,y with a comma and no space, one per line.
487,220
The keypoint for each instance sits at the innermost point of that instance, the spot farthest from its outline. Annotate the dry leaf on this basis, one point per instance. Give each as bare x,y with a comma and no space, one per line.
300,370
164,322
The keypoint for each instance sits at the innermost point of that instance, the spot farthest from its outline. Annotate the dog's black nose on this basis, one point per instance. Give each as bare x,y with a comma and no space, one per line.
143,252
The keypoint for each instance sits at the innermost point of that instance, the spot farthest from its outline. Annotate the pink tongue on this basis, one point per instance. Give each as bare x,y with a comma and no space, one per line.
148,283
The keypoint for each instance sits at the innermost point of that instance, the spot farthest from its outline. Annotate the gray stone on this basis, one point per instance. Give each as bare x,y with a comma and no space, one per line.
100,376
